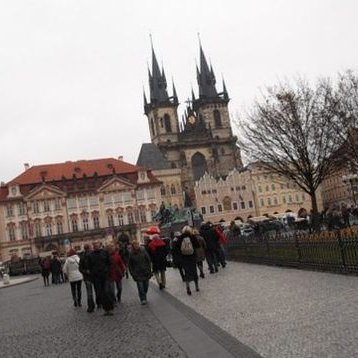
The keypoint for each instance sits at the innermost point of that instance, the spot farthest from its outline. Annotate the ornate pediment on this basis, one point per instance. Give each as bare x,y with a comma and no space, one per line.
116,184
45,191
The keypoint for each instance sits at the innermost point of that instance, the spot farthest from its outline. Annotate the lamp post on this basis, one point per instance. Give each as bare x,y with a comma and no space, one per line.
352,180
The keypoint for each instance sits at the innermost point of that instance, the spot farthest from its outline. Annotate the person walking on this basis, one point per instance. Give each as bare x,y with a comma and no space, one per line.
200,252
124,254
72,272
45,265
56,268
212,246
100,267
116,273
188,245
222,242
87,277
140,268
176,254
158,252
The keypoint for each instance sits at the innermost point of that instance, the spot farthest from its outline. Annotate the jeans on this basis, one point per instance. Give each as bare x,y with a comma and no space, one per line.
142,289
211,258
111,289
76,291
89,290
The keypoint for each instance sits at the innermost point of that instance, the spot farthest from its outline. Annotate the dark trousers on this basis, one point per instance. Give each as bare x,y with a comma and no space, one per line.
142,289
76,289
89,290
56,278
211,258
221,256
201,268
102,296
46,280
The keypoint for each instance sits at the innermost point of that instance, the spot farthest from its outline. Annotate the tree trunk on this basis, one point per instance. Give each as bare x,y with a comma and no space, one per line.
314,213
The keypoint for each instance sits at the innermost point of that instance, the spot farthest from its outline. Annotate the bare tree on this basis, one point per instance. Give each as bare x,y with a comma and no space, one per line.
291,131
345,103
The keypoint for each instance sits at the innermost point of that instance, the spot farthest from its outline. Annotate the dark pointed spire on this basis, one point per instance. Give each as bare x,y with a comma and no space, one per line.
145,99
225,93
157,81
175,96
206,77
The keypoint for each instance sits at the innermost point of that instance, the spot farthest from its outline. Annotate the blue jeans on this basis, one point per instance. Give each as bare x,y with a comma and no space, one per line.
142,289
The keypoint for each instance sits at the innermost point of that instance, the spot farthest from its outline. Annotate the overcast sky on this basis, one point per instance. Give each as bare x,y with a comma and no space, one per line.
72,72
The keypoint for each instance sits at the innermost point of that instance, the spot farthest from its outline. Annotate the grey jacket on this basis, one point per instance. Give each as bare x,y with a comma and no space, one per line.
139,265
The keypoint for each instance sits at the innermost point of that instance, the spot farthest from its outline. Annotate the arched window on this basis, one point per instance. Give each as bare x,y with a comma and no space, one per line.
162,191
217,118
172,189
199,165
167,123
152,125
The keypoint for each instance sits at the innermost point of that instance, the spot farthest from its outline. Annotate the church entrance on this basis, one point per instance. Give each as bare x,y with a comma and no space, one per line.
199,165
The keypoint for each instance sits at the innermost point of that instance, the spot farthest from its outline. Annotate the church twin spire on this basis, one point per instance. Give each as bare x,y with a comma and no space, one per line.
158,84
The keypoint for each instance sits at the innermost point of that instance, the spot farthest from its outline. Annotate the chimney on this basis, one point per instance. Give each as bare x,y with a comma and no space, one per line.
120,157
2,184
26,166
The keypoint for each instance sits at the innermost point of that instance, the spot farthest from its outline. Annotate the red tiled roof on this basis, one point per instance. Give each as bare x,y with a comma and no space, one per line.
55,172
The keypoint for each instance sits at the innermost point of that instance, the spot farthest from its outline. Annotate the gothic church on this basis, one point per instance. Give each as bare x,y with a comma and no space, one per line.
202,140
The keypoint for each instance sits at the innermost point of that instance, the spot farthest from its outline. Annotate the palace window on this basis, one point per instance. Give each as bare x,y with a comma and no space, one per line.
46,206
24,231
82,202
48,229
211,209
74,225
85,224
172,189
275,201
35,207
9,210
59,227
38,230
72,203
269,201
220,208
120,219
11,230
234,206
96,222
110,220
251,205
203,210
143,217
93,200
242,205
262,202
21,208
57,204
130,218
162,191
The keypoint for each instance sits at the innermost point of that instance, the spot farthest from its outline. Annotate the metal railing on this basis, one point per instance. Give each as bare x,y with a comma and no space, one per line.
327,251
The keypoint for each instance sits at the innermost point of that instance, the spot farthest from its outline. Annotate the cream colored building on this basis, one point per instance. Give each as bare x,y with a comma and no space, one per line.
49,207
226,199
276,194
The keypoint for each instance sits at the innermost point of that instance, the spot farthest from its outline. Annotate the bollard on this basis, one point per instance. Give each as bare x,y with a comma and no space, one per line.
6,279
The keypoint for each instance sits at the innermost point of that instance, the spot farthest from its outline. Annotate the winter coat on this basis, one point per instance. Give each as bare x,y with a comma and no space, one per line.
176,253
71,268
188,262
99,263
210,236
158,252
139,265
221,236
85,266
200,251
117,267
56,266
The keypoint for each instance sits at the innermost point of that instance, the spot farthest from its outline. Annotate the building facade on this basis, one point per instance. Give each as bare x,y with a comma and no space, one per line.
48,207
226,199
202,140
250,192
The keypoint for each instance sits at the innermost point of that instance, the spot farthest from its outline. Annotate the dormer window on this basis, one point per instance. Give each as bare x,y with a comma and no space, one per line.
14,190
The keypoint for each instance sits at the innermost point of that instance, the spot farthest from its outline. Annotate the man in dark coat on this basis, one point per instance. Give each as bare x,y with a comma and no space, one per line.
100,266
56,269
84,268
207,231
140,268
158,252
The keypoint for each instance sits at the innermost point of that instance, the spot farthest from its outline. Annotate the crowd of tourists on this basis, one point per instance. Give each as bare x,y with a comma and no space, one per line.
102,267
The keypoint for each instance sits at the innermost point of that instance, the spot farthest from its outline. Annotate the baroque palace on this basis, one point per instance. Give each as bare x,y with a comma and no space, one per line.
50,206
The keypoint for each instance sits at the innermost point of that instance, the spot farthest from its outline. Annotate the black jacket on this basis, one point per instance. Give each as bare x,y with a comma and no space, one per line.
99,263
84,266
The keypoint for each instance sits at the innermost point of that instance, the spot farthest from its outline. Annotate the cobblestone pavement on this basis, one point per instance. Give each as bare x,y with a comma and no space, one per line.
41,322
280,313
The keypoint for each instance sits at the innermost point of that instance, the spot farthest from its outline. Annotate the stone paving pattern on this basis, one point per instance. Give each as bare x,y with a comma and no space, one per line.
42,322
279,312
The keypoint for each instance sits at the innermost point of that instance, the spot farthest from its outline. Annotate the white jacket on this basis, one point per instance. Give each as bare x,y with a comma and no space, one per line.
70,268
